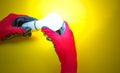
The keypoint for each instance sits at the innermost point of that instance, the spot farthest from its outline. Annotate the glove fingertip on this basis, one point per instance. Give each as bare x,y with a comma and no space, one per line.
66,24
50,33
19,30
45,29
27,29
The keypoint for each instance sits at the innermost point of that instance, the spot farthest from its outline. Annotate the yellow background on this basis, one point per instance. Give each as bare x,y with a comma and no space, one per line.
95,24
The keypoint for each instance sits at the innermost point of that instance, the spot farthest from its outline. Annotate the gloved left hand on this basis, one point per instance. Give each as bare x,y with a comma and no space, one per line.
6,28
65,48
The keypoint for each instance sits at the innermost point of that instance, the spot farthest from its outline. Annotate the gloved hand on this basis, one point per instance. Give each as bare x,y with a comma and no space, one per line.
65,48
6,28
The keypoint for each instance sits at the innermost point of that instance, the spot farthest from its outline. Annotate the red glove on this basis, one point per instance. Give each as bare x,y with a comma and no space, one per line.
6,27
65,48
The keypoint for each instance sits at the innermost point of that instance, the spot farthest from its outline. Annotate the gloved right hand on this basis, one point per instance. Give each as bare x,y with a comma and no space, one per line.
65,48
7,30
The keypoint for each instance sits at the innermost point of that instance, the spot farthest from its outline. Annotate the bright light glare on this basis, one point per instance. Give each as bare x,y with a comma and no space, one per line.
53,21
